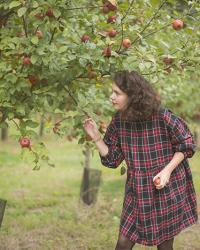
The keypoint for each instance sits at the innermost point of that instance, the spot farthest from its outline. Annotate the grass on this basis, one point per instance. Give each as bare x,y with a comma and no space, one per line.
44,211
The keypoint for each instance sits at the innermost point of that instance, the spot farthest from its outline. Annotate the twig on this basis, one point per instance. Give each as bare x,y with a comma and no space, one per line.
65,118
53,33
150,21
25,28
127,11
122,28
15,124
122,37
75,101
153,32
183,46
84,7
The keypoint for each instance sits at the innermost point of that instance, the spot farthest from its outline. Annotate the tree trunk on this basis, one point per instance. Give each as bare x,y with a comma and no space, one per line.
90,181
41,128
4,134
2,209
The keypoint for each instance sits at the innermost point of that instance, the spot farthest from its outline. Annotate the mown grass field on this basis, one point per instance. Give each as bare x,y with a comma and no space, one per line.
43,207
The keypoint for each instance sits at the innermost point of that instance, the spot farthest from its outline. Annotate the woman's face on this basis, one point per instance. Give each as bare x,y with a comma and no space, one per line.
118,98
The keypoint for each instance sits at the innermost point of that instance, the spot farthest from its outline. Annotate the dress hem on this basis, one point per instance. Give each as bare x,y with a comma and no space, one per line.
145,243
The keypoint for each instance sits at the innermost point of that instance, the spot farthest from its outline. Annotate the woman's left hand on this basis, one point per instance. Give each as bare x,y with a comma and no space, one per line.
164,176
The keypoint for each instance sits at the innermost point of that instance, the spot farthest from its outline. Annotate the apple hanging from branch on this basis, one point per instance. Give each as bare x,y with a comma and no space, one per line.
25,142
126,43
85,38
177,24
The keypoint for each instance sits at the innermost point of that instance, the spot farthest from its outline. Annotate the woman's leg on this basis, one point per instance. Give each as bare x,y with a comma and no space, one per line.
124,243
166,245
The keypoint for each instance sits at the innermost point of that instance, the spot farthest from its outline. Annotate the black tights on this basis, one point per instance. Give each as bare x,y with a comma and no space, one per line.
124,243
166,245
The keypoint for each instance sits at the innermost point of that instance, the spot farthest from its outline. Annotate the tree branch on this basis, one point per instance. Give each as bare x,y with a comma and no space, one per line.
150,21
25,28
122,28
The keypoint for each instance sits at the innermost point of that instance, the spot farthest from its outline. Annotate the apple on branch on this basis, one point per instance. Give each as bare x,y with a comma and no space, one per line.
49,13
112,32
126,43
39,34
107,51
85,38
33,79
109,5
168,60
177,24
25,142
26,60
92,75
111,19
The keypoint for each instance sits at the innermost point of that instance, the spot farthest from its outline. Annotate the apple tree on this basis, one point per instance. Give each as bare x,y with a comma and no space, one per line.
58,58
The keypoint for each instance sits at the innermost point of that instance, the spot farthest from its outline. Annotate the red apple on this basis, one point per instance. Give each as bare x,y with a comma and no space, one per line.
39,34
25,142
105,9
26,60
177,24
157,181
85,38
107,51
112,33
167,60
56,130
92,75
33,79
49,13
126,43
111,6
111,19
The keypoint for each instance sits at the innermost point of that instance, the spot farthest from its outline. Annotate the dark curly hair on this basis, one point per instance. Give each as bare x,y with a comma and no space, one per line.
143,99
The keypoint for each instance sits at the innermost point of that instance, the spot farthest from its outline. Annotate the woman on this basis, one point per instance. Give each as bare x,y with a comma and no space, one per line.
155,143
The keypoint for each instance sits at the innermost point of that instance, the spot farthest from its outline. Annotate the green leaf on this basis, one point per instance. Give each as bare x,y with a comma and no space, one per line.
35,4
21,11
35,40
81,140
31,124
122,170
56,13
34,59
14,4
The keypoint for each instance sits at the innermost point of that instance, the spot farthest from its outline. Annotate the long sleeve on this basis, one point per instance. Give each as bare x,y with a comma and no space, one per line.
115,155
180,135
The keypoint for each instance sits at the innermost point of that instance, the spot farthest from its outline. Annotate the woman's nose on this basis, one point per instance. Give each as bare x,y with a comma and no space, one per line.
112,96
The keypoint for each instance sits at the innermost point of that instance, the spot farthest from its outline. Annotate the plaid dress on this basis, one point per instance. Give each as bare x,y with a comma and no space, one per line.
151,216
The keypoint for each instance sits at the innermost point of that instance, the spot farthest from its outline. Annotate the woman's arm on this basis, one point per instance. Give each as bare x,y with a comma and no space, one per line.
166,172
101,146
109,147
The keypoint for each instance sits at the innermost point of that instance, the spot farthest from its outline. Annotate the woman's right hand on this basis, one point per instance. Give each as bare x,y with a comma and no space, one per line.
91,129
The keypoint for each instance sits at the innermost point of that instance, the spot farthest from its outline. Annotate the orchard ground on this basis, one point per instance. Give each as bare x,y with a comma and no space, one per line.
43,209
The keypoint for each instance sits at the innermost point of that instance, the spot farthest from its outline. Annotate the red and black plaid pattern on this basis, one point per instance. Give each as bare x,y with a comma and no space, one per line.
151,216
